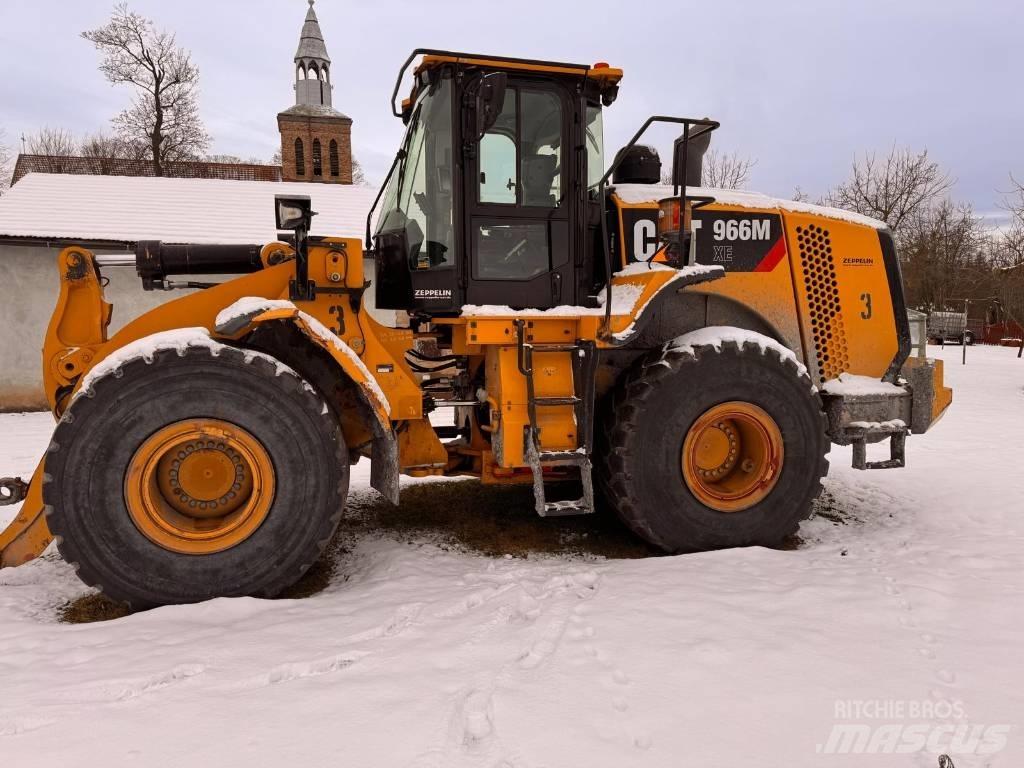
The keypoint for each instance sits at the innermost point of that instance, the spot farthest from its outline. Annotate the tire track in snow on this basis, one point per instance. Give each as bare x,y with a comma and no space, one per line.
925,644
615,680
472,734
104,693
127,689
404,617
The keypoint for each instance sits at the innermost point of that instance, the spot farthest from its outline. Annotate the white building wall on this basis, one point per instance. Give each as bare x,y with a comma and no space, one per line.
29,286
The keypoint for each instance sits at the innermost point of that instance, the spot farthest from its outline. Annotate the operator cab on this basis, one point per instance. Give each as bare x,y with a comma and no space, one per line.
492,197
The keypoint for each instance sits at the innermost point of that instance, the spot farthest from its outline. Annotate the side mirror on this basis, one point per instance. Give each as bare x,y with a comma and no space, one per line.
490,98
394,281
293,212
694,161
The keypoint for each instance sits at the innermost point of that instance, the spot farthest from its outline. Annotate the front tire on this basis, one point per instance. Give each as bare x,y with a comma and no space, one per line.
714,445
188,475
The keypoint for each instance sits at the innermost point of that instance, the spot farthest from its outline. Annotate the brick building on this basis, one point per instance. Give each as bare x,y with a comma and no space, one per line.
316,139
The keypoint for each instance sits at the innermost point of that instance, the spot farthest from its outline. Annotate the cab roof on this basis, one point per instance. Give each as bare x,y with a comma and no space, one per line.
600,71
604,76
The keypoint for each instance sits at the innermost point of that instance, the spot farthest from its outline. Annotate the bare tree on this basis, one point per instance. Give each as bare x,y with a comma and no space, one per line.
726,170
358,177
102,152
5,164
232,160
164,117
894,189
104,146
944,255
54,146
52,142
1012,237
721,170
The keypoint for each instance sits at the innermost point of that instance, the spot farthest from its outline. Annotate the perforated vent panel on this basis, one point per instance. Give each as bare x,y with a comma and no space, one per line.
822,294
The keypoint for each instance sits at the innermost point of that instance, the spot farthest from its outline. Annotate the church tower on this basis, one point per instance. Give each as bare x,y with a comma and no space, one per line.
316,139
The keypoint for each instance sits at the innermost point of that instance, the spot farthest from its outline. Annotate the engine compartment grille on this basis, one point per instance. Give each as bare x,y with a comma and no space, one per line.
821,291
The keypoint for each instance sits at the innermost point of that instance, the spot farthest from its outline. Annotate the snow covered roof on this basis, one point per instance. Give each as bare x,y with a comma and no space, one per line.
314,110
644,193
126,209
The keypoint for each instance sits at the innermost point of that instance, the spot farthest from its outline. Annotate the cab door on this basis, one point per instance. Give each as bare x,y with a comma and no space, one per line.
518,207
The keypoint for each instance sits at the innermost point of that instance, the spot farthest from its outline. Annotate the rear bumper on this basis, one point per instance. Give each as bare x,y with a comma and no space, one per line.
861,415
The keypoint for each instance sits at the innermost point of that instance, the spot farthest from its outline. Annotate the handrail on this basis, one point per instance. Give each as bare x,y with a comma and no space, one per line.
584,68
708,126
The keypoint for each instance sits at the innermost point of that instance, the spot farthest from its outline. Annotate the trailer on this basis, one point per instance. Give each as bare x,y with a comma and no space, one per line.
951,326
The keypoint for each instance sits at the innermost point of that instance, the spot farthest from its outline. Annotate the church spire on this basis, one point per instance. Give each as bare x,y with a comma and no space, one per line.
312,64
316,139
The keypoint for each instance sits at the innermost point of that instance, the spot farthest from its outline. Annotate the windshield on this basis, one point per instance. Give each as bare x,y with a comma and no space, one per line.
419,194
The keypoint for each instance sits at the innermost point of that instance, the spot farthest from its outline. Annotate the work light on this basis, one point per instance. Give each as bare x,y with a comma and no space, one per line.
292,212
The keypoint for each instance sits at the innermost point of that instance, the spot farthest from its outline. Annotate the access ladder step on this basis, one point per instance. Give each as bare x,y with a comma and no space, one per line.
564,458
555,347
549,401
565,508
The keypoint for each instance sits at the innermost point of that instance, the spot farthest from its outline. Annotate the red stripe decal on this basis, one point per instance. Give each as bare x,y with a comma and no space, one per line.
773,257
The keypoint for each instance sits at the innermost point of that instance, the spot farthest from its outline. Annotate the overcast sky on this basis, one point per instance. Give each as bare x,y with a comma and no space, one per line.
800,86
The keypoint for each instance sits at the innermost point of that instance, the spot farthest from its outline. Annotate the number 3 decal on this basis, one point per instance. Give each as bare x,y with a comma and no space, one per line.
339,328
866,298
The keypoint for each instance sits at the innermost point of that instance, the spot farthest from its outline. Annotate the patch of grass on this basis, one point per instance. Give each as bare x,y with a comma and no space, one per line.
825,506
492,521
92,607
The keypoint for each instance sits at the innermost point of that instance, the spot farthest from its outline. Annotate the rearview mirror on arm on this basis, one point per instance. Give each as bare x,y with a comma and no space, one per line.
490,97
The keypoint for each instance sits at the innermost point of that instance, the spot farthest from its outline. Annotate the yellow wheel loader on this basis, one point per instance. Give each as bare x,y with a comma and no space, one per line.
685,355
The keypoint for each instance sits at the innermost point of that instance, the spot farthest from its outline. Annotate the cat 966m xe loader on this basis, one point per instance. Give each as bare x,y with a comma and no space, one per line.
687,355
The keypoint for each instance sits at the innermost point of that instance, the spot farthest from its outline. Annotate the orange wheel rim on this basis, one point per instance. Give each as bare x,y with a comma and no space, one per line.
732,456
199,486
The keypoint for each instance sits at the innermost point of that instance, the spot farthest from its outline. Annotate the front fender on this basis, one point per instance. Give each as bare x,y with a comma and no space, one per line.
250,313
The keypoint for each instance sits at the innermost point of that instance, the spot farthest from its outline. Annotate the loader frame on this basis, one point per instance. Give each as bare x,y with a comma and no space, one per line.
524,380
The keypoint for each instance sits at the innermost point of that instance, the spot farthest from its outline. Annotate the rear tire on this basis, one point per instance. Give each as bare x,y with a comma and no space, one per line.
968,339
673,391
91,501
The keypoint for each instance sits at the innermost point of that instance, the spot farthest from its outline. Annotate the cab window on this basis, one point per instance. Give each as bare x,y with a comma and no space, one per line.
521,154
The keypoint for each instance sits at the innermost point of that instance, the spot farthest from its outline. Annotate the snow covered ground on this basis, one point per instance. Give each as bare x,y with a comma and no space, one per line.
883,636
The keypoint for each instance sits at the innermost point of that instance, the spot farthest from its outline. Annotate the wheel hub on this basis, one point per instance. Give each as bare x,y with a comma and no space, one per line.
204,478
199,486
732,456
